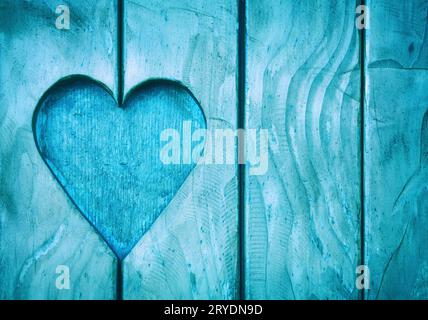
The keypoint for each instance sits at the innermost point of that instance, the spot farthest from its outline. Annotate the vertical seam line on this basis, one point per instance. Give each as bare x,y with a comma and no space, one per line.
362,140
241,125
120,72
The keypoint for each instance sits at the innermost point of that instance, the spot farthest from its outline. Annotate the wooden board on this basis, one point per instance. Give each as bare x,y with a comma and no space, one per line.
39,226
191,250
302,219
396,135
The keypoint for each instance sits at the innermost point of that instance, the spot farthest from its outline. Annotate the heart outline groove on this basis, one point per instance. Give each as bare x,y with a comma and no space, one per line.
106,156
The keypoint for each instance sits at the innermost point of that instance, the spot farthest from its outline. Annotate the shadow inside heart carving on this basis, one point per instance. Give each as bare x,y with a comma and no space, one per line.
107,158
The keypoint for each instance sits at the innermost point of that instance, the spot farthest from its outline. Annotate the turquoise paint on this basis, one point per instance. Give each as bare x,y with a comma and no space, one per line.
395,149
291,246
107,158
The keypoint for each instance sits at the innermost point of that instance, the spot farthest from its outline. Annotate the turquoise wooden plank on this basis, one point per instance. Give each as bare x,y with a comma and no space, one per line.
40,227
191,249
302,218
396,179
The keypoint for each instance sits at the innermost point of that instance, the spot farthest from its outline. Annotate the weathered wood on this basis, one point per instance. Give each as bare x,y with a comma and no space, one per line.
40,228
191,249
303,217
396,175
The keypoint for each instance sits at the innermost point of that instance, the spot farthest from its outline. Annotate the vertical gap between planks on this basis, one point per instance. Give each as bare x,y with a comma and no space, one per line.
119,280
362,142
120,89
241,148
120,49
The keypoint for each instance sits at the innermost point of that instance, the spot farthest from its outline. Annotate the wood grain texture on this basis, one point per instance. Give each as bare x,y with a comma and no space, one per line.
302,220
108,157
39,226
396,135
191,250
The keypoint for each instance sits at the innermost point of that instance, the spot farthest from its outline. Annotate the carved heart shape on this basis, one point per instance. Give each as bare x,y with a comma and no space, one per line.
107,158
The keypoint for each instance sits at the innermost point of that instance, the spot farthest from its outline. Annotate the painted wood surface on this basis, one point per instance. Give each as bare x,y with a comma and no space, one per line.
40,228
111,159
396,135
191,249
302,220
303,84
